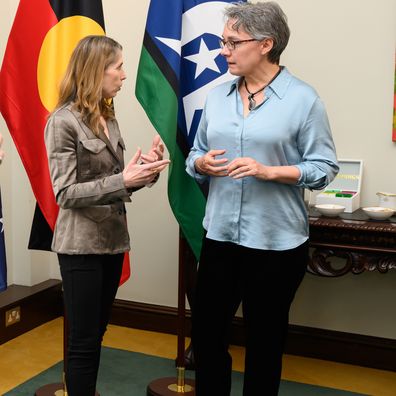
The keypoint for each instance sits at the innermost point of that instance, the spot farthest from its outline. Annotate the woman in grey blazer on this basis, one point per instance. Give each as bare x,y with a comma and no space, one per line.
91,185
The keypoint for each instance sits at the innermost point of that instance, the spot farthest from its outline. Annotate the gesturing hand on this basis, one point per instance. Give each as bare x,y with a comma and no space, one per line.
246,166
156,152
138,175
209,165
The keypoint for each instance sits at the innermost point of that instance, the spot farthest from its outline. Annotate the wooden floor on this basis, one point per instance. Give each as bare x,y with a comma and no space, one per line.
33,352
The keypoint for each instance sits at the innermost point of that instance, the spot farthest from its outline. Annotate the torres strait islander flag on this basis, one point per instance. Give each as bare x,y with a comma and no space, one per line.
40,44
179,63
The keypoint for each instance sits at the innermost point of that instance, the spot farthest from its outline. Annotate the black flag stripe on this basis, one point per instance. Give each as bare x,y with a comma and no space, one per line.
88,8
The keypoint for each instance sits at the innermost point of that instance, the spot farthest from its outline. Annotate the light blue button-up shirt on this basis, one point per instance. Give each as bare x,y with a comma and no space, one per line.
290,128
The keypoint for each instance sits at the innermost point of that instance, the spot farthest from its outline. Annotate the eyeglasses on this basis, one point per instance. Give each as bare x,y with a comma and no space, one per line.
231,44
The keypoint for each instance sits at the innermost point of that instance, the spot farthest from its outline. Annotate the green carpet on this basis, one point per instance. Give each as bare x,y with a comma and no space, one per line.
124,373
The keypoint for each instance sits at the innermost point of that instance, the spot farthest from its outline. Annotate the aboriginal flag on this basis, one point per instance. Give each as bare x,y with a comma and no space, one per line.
41,41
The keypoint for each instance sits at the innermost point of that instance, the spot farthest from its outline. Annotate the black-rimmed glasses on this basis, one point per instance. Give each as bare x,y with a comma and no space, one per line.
232,44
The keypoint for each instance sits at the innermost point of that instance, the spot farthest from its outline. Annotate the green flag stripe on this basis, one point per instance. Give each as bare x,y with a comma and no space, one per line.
187,201
157,99
160,103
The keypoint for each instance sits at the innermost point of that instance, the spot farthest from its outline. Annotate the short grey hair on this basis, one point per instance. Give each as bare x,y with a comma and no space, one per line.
261,20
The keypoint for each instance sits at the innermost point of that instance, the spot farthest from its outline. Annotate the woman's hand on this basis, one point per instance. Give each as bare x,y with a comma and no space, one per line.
139,174
209,165
156,152
246,166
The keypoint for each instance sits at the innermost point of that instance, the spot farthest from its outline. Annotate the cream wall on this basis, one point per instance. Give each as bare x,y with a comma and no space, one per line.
345,49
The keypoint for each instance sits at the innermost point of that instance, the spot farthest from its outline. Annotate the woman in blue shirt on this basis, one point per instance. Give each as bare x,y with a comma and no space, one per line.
262,139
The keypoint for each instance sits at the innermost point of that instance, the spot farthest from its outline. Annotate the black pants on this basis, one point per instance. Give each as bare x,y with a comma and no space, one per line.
265,282
90,284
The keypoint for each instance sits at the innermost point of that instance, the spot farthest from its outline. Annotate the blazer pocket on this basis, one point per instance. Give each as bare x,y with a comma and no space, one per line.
94,145
90,156
97,213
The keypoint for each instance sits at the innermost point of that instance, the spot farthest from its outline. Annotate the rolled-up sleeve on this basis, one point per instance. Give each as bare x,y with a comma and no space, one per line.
319,160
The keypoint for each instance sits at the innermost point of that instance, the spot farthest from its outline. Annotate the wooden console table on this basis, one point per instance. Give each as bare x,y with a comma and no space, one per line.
364,244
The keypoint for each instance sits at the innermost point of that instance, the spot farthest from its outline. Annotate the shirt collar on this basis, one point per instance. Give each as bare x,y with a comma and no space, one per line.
279,85
234,84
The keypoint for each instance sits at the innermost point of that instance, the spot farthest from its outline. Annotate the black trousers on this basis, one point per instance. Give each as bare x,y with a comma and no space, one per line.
265,281
90,284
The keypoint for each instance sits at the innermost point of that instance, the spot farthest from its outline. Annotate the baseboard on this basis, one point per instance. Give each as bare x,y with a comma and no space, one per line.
29,307
43,302
357,349
367,351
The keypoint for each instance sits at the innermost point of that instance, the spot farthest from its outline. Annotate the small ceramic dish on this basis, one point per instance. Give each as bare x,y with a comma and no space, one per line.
330,210
378,212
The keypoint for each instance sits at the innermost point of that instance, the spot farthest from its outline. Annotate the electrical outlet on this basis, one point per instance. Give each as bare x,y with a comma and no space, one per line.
12,316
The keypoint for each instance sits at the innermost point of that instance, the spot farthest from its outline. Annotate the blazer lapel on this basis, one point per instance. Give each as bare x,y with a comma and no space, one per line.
102,136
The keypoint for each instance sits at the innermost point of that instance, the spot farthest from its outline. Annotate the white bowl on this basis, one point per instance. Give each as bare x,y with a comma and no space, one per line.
378,212
330,210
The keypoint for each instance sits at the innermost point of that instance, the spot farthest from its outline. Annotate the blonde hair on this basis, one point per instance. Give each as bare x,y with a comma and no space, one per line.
82,82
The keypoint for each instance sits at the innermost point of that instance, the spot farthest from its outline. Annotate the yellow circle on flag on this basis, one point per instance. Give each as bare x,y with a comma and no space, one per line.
56,51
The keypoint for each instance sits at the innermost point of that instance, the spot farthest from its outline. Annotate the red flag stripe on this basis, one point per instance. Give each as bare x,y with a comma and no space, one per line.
20,103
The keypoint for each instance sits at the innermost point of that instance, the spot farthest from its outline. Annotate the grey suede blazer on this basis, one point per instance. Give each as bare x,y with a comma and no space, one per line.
86,174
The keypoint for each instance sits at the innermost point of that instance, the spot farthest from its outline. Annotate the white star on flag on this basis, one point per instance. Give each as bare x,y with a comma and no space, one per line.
171,43
205,59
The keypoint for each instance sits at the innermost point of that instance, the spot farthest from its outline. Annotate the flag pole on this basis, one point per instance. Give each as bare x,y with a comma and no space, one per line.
179,385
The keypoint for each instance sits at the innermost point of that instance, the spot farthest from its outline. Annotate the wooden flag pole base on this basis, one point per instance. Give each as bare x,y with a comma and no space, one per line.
56,389
168,386
171,386
50,390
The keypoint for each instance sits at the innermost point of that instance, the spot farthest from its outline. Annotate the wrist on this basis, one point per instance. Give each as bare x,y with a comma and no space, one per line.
271,174
267,173
198,167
